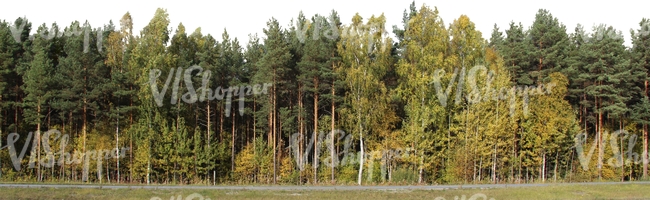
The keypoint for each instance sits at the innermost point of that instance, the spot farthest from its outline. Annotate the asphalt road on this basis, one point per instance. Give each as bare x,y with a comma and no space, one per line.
322,188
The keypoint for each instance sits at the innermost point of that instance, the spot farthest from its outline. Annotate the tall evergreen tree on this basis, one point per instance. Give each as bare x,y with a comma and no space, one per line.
607,65
640,61
549,40
37,84
516,51
272,68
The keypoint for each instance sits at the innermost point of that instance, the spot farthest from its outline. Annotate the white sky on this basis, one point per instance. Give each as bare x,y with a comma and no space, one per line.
241,17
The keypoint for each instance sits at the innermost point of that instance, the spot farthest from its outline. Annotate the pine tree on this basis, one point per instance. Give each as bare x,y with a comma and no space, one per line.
20,44
315,65
272,68
399,46
606,63
298,34
640,61
549,40
516,51
9,81
496,39
332,77
37,84
576,72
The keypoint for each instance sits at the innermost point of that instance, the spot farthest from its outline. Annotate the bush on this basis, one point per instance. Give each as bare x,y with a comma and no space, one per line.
348,174
404,175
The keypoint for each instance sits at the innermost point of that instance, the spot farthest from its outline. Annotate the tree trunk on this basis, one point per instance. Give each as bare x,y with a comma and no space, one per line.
316,146
301,122
620,125
131,139
480,169
543,167
645,141
555,168
519,176
254,124
420,171
232,144
600,142
361,146
585,116
221,122
645,151
117,145
84,128
332,152
496,141
38,141
514,156
209,122
274,120
360,157
494,165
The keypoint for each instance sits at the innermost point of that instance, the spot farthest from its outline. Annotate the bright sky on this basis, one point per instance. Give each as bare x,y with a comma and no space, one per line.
242,17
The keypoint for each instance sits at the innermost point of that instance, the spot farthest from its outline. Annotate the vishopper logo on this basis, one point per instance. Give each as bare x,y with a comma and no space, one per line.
348,156
487,93
330,30
17,31
476,196
193,196
202,93
601,32
617,160
645,29
49,159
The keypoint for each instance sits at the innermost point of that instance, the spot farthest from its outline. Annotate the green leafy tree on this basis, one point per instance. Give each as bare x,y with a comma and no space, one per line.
425,50
365,53
150,54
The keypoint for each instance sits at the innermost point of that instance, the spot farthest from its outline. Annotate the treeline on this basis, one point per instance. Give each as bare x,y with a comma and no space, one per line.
324,101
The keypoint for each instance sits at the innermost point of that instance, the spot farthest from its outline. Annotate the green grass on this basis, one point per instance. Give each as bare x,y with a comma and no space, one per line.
626,191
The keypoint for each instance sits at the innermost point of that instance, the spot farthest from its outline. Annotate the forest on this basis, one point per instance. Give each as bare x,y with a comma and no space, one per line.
324,100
